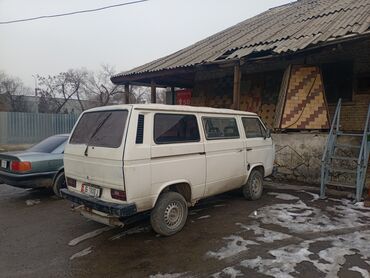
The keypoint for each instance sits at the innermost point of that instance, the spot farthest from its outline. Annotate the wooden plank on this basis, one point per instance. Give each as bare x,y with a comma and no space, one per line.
282,97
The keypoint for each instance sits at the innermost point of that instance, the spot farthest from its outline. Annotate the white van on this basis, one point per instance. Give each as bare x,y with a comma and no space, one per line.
126,159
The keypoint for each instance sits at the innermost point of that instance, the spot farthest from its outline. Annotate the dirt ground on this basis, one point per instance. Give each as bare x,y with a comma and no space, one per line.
286,233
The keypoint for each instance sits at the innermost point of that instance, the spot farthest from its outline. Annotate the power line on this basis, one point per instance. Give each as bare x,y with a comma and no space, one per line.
72,13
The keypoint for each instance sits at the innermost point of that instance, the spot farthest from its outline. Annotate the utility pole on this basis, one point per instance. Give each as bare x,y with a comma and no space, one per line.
34,77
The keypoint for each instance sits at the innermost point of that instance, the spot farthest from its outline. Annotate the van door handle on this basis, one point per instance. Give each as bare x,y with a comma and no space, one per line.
249,149
239,151
203,153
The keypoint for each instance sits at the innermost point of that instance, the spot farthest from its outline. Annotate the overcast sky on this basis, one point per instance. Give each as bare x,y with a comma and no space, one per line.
124,37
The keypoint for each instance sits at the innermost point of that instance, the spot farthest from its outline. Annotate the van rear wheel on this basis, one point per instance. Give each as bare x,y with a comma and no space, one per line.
169,214
252,190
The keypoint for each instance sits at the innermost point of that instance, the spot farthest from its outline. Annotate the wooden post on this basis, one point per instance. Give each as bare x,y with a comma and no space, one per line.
236,92
173,96
153,93
127,93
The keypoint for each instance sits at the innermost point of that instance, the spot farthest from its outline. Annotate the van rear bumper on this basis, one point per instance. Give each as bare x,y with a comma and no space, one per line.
118,210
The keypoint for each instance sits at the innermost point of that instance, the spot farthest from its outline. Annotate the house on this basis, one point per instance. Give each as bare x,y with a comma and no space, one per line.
289,64
243,66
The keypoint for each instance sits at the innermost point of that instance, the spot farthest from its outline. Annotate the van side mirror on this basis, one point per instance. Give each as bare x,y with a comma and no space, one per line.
268,133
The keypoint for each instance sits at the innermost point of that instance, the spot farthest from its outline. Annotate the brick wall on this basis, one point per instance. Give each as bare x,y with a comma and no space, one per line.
258,93
353,112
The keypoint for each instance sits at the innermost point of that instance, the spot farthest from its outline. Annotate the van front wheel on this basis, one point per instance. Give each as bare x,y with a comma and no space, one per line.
252,190
169,214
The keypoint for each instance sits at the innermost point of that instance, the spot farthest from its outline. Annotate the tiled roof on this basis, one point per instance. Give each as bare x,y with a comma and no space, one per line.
284,29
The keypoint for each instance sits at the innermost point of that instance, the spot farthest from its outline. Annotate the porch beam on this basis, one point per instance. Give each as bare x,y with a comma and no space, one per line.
173,96
236,89
127,93
153,92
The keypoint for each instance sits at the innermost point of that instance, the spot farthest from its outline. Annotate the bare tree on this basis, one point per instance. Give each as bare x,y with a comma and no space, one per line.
56,91
14,91
140,94
98,86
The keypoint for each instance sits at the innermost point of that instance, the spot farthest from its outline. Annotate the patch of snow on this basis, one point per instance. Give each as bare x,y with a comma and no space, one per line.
33,202
283,196
204,217
300,218
362,271
349,214
89,235
266,235
229,272
135,230
168,275
81,253
235,245
314,195
219,206
287,258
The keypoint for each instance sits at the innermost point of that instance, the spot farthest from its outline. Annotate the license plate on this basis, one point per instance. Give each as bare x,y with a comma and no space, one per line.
4,163
90,190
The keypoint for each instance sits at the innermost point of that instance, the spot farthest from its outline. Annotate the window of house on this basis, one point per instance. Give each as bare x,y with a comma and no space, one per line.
363,84
338,81
220,128
253,128
175,128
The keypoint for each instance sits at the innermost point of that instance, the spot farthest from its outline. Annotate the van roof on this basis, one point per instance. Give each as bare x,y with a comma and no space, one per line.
179,108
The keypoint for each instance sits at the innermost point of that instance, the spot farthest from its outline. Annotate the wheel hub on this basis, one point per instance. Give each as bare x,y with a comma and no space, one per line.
256,185
173,214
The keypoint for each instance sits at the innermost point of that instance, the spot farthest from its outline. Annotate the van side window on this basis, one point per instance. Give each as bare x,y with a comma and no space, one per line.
140,130
220,128
175,128
253,128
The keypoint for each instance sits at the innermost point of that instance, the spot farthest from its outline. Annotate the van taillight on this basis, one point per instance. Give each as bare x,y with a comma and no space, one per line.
118,194
20,166
71,182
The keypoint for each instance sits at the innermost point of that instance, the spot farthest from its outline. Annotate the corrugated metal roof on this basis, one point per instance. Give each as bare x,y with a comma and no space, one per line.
284,29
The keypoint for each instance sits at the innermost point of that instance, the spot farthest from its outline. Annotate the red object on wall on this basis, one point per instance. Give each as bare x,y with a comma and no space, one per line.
183,97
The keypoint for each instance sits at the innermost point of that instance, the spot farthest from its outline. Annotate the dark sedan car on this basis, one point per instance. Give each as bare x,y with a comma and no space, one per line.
39,166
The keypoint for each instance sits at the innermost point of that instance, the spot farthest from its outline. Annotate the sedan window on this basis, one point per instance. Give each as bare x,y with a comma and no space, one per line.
49,144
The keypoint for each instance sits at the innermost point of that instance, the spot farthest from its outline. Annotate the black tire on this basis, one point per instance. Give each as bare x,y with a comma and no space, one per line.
59,183
253,189
169,214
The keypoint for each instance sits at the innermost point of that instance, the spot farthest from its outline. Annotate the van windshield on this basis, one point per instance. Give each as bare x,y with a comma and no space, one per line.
100,129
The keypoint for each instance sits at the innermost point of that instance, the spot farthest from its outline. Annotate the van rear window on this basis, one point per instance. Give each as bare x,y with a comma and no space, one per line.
100,129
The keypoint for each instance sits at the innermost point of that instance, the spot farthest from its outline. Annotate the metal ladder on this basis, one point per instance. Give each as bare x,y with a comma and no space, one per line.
329,156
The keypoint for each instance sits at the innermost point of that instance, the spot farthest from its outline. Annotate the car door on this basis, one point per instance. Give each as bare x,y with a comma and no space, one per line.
177,152
225,154
93,155
259,145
